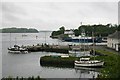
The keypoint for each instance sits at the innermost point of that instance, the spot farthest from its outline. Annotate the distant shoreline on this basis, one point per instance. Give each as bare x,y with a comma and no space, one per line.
18,30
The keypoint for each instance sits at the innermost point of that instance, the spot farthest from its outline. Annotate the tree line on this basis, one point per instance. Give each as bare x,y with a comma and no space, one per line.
18,30
99,30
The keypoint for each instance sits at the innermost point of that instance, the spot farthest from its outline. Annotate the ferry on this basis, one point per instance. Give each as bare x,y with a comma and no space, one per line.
82,39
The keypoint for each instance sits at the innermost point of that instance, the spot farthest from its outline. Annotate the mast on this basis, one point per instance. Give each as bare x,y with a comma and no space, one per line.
10,39
84,41
93,45
79,43
87,40
93,51
45,37
15,40
81,23
83,35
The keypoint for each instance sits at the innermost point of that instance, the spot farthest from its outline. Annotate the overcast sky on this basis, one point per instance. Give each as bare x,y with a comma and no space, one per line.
53,15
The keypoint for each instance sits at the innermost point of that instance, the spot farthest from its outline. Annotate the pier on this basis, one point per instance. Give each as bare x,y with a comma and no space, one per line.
48,48
57,48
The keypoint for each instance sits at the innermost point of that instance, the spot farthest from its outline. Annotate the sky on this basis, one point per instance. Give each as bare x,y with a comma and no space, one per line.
53,15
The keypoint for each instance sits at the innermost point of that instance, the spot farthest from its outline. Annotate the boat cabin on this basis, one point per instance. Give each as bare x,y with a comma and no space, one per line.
84,59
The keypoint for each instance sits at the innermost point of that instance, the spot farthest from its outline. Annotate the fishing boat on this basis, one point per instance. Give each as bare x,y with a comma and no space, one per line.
86,62
86,68
17,50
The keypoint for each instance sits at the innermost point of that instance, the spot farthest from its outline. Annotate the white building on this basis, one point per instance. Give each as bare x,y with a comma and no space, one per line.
70,33
113,41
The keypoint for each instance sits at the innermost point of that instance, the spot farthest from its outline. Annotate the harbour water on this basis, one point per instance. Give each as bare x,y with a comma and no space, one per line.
26,65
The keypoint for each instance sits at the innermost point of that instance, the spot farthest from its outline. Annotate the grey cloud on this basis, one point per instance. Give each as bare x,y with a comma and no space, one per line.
11,12
52,15
119,12
9,7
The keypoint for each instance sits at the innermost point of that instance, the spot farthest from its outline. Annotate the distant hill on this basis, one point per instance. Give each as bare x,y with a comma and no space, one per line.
18,30
45,31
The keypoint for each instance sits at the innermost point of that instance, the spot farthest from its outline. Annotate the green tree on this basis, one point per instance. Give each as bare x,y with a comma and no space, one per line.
62,29
118,28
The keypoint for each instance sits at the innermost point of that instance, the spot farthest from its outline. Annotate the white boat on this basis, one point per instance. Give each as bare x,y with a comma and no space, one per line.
17,50
79,53
86,62
86,68
58,55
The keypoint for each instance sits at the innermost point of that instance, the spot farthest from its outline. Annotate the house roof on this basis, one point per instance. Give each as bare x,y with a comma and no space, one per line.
115,35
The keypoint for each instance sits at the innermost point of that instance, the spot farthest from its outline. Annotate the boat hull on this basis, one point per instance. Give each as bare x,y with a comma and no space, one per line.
86,68
82,40
18,52
100,64
80,53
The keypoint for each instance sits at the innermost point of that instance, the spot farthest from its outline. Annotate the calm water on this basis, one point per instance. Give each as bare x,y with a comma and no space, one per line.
25,65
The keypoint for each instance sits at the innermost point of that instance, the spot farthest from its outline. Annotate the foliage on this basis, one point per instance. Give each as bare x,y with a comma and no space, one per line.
59,32
119,28
111,68
61,62
19,30
77,32
99,30
62,29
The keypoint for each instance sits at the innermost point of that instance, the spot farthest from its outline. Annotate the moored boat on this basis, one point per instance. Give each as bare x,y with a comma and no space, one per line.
17,50
86,62
82,39
79,53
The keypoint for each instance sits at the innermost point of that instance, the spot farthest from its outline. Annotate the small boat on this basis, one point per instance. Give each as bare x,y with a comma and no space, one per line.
24,35
86,68
79,53
74,51
86,62
17,50
58,55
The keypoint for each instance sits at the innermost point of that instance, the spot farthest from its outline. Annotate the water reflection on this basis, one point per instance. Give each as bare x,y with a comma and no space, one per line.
87,72
81,72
